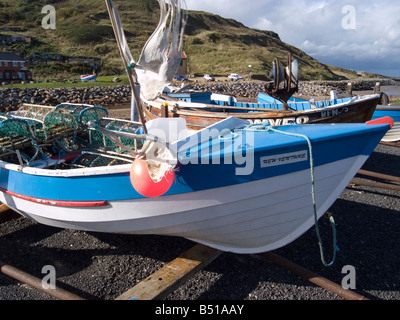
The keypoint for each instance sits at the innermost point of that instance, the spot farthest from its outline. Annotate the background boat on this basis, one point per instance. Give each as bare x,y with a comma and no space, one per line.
200,114
88,77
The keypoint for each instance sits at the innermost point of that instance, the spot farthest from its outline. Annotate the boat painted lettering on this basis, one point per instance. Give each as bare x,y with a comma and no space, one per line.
302,120
275,122
282,121
290,120
287,158
334,112
217,309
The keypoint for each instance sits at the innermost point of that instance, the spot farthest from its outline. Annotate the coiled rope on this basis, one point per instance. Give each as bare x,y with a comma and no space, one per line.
267,127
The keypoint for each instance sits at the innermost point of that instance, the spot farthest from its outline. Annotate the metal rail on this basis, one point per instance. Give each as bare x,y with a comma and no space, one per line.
312,277
391,144
375,184
36,283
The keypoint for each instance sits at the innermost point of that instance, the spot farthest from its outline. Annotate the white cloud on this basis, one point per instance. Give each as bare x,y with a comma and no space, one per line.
316,26
263,24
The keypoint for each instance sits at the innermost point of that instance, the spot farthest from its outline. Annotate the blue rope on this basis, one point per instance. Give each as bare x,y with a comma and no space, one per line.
267,127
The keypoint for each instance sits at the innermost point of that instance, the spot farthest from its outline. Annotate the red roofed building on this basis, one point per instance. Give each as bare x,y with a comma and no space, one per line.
13,68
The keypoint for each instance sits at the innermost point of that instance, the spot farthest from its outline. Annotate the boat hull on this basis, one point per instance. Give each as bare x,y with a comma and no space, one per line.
248,218
249,206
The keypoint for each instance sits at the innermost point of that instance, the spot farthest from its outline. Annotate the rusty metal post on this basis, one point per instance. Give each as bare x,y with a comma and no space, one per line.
374,184
36,283
379,175
312,277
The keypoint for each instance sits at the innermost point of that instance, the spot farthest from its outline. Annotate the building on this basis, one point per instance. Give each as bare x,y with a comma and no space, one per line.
13,68
10,39
183,67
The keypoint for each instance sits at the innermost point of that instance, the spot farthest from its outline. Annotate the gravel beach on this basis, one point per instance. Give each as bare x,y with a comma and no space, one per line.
103,266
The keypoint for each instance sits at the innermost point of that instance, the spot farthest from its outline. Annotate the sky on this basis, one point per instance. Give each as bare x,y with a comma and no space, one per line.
361,35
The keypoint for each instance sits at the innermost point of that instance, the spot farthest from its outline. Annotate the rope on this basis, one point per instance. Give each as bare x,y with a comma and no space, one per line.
268,127
130,66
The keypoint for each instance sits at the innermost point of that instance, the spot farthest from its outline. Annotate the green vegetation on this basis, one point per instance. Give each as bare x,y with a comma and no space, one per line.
103,81
395,101
213,44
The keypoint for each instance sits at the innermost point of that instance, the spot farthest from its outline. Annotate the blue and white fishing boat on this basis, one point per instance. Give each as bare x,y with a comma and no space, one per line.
237,188
232,186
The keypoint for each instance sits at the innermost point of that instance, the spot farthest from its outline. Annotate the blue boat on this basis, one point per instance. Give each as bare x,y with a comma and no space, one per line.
233,186
88,77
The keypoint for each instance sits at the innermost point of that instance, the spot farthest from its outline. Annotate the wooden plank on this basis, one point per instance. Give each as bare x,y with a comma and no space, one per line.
7,214
3,208
173,275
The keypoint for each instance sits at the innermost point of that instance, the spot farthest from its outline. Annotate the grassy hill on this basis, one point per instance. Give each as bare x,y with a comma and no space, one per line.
213,44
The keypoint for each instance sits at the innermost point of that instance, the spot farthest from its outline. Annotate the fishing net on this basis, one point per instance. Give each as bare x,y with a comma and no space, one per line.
55,132
121,144
45,122
15,135
89,159
83,113
162,53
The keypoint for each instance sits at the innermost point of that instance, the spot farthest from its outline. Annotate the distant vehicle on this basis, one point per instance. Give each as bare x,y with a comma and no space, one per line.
181,78
209,77
235,76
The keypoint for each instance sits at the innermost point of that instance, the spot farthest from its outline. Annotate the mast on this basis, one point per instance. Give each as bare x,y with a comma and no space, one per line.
128,66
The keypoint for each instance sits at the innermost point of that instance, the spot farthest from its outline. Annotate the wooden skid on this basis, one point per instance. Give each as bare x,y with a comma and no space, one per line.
171,276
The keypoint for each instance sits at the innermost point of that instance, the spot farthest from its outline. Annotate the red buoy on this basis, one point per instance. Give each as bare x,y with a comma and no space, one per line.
144,184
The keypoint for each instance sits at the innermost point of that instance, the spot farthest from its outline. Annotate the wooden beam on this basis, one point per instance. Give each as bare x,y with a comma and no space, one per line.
3,208
7,214
173,275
